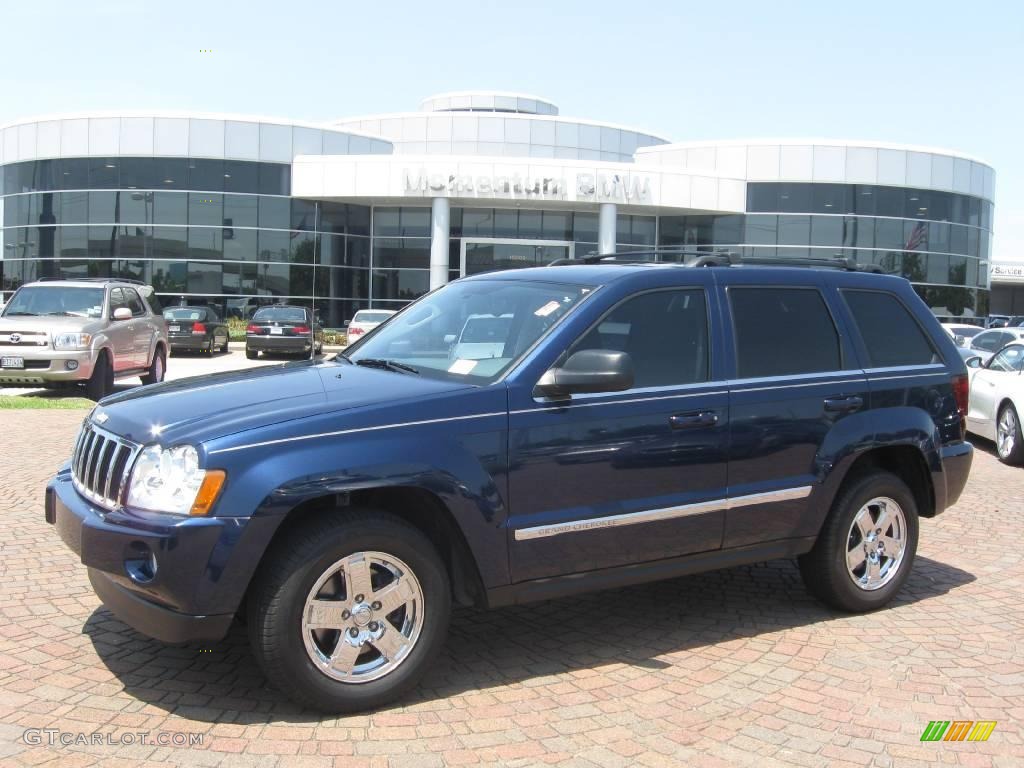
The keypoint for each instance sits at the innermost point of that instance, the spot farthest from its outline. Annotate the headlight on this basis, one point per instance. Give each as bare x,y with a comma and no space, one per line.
170,480
71,340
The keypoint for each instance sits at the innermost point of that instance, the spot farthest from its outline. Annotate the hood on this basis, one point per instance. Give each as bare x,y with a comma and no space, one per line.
202,408
49,324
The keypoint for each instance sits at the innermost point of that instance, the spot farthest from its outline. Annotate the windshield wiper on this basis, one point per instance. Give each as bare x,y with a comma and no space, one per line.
391,365
20,314
62,313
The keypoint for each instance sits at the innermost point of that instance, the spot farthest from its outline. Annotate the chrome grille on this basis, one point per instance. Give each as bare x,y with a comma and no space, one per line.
100,465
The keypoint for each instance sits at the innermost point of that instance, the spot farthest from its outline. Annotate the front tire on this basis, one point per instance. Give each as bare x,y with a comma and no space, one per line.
1009,440
101,383
350,611
866,547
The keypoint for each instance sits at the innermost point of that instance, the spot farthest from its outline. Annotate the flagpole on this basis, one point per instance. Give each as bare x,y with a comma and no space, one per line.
312,324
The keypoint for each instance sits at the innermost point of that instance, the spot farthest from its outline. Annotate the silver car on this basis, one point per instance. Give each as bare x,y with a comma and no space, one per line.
987,343
56,333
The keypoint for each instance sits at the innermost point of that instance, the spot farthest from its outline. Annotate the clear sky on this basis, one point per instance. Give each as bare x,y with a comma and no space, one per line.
939,74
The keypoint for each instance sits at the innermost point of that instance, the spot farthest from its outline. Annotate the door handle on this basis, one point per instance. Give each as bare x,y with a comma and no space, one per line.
843,404
692,420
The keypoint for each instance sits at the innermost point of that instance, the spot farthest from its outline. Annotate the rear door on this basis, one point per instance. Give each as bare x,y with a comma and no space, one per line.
794,378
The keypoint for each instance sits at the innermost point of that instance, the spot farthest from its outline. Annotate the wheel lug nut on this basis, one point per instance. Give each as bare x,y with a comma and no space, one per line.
373,626
354,632
376,605
359,598
345,614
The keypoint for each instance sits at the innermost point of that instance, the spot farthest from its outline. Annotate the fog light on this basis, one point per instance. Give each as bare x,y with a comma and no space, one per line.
71,365
140,564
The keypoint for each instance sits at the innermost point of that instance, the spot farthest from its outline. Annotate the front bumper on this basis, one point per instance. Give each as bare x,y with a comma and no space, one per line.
166,576
268,343
52,366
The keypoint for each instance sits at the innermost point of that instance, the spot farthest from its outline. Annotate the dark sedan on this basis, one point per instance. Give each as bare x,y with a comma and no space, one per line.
283,329
198,329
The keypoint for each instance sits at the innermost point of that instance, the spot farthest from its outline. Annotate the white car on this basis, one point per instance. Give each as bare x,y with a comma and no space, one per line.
364,321
987,343
482,337
997,400
961,332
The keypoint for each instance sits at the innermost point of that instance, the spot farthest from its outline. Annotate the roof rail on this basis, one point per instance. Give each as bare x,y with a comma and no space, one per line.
129,280
720,259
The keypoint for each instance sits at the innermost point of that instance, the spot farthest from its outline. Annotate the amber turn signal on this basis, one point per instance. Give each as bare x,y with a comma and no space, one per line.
208,492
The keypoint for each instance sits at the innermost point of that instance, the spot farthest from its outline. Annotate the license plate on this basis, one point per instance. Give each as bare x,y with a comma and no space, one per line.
276,331
173,328
12,362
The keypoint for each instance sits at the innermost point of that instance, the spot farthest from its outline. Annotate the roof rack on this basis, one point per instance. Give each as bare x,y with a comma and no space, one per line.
130,280
719,259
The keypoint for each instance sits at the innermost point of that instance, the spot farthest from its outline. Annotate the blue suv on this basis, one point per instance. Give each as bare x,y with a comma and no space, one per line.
520,436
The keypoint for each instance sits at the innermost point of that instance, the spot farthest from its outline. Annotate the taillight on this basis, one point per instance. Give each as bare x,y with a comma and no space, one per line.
198,328
354,331
300,329
961,391
252,328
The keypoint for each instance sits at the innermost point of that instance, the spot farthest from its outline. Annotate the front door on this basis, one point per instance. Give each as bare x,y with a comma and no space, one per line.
989,385
615,479
121,333
490,254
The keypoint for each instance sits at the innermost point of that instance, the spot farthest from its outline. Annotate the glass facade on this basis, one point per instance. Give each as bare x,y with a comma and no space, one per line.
940,241
228,233
220,232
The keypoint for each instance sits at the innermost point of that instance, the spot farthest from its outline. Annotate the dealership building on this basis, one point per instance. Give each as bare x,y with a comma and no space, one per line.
240,211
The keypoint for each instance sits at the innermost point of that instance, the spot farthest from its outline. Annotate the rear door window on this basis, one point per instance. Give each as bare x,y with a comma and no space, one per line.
783,332
891,334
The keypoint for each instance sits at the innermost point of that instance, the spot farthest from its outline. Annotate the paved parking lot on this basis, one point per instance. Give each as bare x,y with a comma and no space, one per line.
738,667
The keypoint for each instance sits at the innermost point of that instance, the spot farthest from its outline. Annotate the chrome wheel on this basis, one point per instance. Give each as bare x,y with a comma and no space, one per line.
1006,432
158,368
363,617
876,543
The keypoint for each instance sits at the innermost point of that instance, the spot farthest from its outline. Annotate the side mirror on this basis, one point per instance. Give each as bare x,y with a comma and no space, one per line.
974,362
959,340
449,338
122,313
586,371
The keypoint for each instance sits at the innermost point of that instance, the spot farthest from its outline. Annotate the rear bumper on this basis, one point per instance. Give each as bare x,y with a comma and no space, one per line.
278,343
190,342
956,466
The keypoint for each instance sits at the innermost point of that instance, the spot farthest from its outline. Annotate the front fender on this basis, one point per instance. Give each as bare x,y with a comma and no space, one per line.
464,463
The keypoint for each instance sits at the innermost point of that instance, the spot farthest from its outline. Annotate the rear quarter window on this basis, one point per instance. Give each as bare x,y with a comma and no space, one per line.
891,334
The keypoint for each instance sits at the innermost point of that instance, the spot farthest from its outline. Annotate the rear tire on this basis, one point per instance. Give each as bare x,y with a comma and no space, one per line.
1009,440
367,655
224,346
866,547
101,383
157,369
251,354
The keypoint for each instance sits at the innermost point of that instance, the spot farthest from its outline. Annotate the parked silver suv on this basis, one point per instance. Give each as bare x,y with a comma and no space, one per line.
86,331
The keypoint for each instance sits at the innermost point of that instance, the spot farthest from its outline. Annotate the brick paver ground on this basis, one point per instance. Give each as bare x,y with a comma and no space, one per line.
738,667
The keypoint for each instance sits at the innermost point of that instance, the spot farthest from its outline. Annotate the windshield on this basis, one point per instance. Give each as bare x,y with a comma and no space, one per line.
185,313
56,300
473,330
280,315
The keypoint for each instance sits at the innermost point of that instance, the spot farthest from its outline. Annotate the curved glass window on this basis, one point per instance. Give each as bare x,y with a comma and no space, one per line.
868,200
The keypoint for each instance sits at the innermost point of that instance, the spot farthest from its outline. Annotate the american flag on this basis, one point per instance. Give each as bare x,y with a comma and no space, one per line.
918,240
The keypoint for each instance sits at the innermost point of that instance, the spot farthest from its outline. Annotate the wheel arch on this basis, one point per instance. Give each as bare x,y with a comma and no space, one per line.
908,463
419,507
